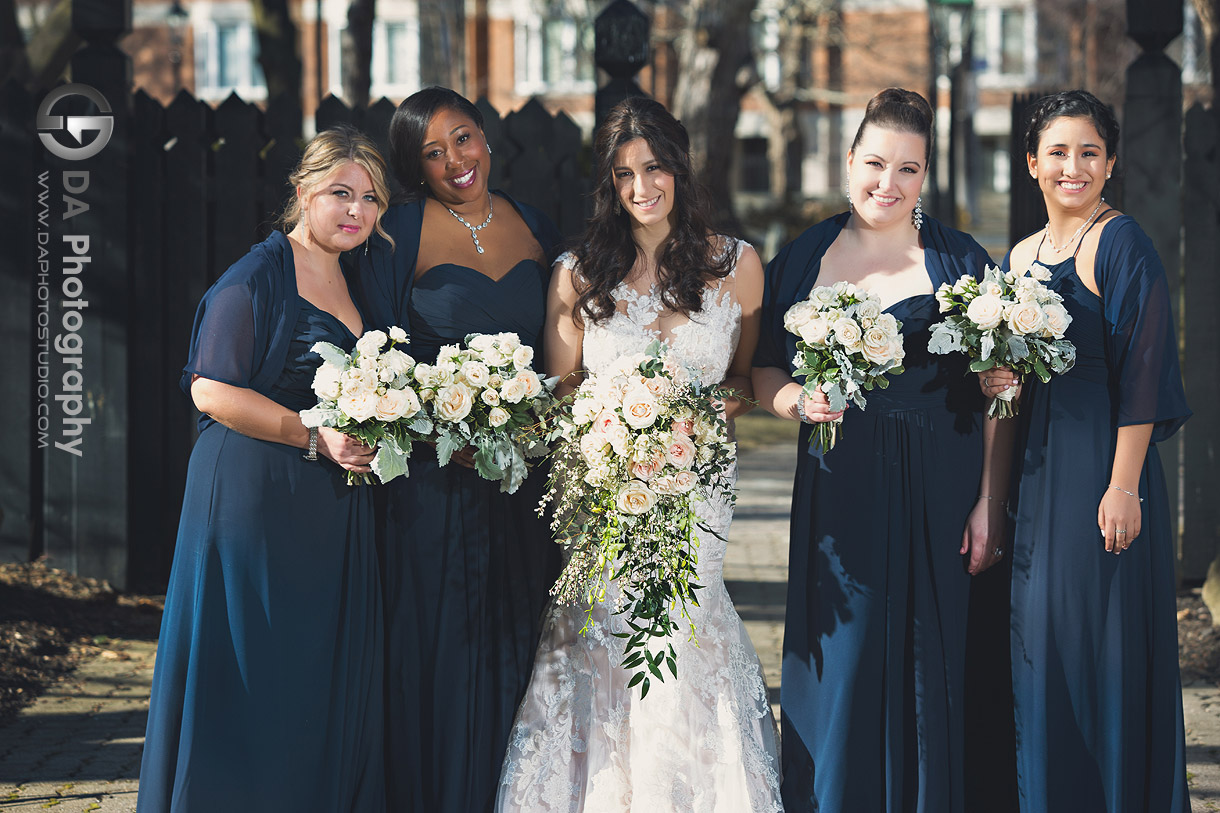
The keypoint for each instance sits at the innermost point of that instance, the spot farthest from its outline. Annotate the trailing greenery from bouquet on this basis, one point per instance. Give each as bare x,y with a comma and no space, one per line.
486,394
846,345
367,394
1008,319
638,446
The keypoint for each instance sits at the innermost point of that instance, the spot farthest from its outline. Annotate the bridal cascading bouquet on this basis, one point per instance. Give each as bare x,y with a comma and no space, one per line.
486,394
642,443
367,394
1008,319
846,345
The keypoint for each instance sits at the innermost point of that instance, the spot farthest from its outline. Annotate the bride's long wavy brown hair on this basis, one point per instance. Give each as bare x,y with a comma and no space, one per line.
689,257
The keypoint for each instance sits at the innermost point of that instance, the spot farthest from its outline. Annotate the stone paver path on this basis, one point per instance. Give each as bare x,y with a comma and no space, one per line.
77,749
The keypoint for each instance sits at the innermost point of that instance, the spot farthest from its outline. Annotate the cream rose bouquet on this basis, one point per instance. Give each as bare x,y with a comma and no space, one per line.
486,394
1008,319
847,345
640,445
367,394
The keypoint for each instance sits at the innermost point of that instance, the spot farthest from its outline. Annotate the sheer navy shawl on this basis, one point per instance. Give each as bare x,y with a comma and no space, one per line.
245,321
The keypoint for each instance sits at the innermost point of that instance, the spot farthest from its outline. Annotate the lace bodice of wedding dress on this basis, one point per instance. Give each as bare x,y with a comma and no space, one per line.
704,742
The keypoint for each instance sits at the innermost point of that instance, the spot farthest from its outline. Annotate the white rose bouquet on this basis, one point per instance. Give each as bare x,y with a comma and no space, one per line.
367,394
487,395
1007,320
846,345
641,443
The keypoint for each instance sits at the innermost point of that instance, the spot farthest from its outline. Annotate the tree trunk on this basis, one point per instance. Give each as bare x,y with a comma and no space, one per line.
357,64
278,53
713,50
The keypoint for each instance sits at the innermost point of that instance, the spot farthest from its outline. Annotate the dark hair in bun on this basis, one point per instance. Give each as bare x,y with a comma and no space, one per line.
1074,104
902,110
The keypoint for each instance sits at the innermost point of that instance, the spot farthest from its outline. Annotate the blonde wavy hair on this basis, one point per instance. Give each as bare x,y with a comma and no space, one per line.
327,152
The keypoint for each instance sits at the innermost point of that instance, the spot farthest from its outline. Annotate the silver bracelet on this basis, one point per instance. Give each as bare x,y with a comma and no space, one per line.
800,408
1125,491
1003,503
313,445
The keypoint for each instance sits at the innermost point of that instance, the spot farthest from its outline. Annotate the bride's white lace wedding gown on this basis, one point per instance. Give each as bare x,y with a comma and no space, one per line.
703,742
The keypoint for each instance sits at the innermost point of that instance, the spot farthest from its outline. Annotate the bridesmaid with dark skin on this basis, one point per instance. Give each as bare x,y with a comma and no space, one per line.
1094,634
467,568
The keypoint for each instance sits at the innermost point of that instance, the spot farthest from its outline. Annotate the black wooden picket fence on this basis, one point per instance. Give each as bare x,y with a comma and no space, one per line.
179,193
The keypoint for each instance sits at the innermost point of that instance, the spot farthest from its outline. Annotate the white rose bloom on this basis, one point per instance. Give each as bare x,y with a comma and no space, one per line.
823,295
359,405
370,343
447,355
475,373
848,334
490,397
889,323
399,335
495,380
619,437
680,452
663,485
635,498
1026,318
963,284
523,357
640,408
396,361
815,331
867,312
593,447
584,410
533,385
453,403
942,298
986,311
1039,272
513,390
326,382
797,315
482,342
392,406
508,342
877,345
1057,319
991,288
658,385
498,416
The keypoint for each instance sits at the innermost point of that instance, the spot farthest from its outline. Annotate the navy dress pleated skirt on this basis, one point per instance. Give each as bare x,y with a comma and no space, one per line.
267,693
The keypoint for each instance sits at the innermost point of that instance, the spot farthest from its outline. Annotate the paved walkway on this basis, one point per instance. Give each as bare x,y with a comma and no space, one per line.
77,749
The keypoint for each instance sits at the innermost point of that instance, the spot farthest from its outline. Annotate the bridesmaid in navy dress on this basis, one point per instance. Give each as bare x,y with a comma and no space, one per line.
467,568
268,691
888,526
1094,632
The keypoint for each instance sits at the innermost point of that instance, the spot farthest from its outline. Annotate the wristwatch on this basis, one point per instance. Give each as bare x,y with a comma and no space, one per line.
800,408
313,445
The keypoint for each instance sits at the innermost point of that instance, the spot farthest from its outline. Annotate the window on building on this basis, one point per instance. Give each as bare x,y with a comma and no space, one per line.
226,60
1195,59
554,55
1005,45
401,55
753,166
395,69
1012,41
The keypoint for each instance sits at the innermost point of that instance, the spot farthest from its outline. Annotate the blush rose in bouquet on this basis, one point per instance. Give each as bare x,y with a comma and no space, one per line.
641,443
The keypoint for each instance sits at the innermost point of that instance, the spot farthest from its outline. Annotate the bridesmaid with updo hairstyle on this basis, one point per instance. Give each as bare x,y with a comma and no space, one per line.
1094,631
888,526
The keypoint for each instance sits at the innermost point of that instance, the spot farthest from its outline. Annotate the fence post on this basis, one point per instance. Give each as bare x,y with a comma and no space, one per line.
621,49
1152,154
1201,259
87,479
23,197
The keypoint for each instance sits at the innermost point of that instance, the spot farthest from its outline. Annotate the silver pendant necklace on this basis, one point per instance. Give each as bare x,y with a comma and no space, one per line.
1050,240
474,230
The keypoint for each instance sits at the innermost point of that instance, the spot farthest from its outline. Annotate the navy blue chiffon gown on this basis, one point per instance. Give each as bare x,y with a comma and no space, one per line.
467,569
875,630
1094,635
267,693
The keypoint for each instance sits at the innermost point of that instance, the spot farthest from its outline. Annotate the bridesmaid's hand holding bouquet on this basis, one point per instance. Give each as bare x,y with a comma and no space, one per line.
847,345
1009,320
367,395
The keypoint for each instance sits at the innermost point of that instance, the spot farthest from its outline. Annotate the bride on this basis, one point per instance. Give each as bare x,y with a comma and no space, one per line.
649,268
